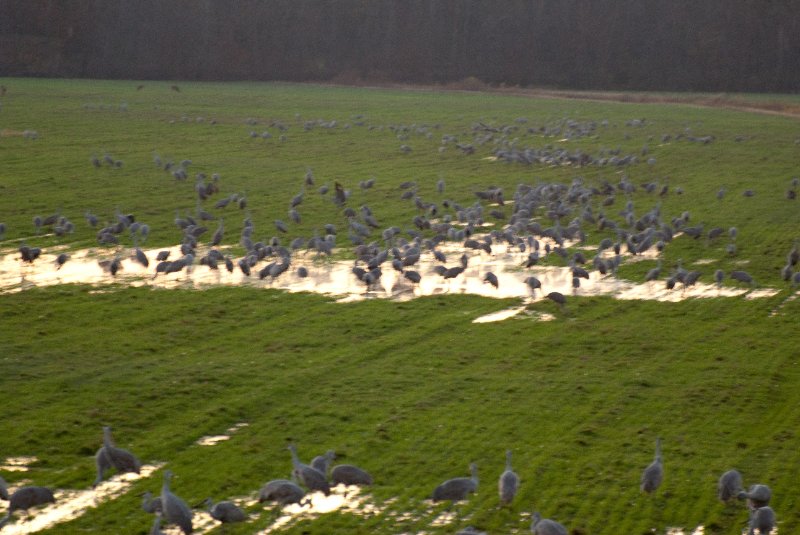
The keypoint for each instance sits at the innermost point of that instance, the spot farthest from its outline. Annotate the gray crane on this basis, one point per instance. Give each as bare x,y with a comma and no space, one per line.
509,482
491,278
173,508
690,279
729,485
763,520
719,276
141,257
457,488
149,504
348,474
742,276
26,497
109,456
115,266
558,298
297,200
308,476
226,512
282,491
412,276
545,526
533,283
321,462
216,239
62,258
654,273
757,496
654,473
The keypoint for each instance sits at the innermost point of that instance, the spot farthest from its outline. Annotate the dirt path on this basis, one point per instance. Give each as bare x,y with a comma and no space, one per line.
783,109
709,100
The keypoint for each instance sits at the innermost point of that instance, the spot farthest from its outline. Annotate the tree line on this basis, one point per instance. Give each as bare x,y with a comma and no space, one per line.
679,45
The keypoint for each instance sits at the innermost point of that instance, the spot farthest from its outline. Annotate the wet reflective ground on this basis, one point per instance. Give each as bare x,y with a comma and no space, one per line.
71,504
335,278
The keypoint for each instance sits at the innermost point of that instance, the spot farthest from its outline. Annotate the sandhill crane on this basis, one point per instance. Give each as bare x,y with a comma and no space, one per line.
26,497
321,462
545,526
729,485
457,488
307,475
109,456
348,474
226,512
173,508
282,491
763,520
654,473
509,482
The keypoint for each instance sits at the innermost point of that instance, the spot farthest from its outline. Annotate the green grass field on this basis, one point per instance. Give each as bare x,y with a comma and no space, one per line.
413,391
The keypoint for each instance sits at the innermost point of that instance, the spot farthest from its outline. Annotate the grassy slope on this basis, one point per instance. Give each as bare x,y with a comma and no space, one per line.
53,172
411,391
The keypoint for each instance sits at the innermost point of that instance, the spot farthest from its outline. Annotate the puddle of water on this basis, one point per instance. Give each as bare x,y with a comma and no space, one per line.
335,278
18,464
762,292
659,292
699,530
237,427
513,312
213,440
499,316
542,316
444,519
342,498
71,504
777,310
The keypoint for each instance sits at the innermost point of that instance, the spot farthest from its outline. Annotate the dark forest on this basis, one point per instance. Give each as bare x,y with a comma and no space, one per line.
677,45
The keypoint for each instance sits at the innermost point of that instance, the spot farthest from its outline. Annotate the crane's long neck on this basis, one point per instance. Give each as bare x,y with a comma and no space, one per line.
165,485
474,470
295,460
508,460
658,449
107,441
